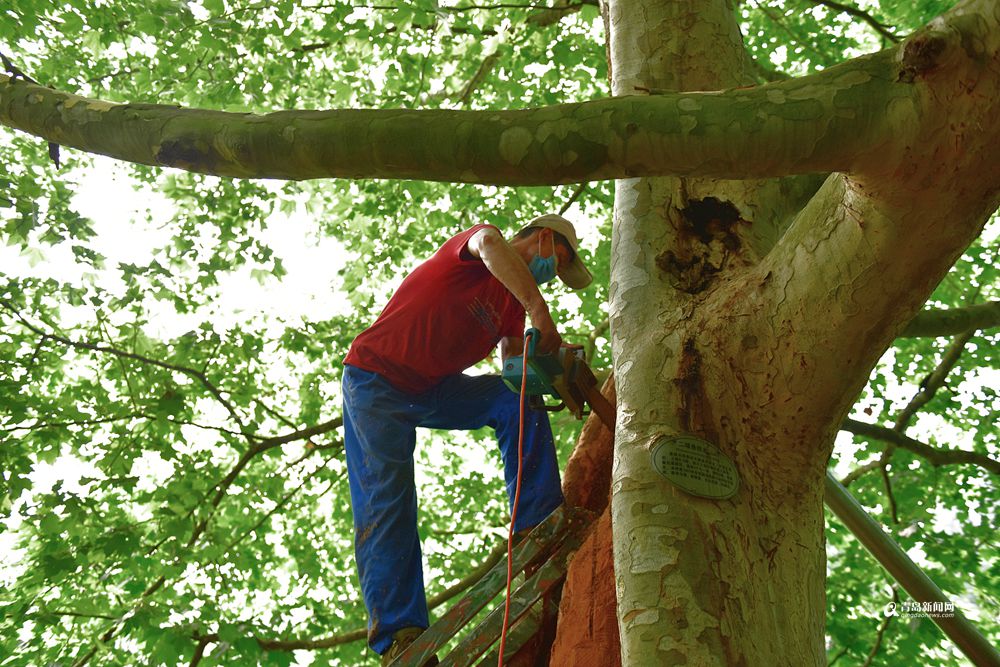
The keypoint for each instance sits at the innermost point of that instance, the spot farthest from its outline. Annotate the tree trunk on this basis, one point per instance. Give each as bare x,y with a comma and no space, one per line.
754,332
738,315
698,581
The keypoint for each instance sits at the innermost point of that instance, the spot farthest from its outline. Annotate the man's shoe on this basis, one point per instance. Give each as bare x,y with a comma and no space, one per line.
401,639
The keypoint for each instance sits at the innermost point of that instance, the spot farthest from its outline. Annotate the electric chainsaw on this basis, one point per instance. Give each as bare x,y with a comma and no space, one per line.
564,375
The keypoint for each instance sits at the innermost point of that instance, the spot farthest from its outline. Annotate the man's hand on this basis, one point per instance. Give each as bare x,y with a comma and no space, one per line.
550,340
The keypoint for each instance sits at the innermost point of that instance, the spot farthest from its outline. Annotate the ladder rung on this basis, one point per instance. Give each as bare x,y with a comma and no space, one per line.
542,537
525,628
487,633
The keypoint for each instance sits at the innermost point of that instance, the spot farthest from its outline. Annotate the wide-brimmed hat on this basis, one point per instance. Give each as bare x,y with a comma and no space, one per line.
574,274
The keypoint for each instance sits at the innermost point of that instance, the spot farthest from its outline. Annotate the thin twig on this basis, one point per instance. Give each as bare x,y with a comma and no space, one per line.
558,11
928,388
132,415
878,26
837,657
934,381
780,23
38,425
110,75
264,445
433,602
881,631
477,79
277,415
765,73
202,525
232,12
576,195
199,652
281,503
598,331
121,363
474,575
103,349
77,614
461,8
937,456
34,355
222,487
888,494
302,434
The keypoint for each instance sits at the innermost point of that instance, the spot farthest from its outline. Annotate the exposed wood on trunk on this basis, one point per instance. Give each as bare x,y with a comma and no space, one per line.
588,623
587,481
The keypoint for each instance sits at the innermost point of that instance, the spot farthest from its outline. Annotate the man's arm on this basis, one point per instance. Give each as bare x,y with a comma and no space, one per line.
508,267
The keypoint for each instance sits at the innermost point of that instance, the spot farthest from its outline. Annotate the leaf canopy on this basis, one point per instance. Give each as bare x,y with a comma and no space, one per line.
130,392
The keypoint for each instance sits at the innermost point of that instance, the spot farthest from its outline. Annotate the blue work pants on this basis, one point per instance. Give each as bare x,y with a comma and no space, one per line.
379,438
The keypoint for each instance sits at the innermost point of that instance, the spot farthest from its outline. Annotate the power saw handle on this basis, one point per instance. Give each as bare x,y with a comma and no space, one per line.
532,335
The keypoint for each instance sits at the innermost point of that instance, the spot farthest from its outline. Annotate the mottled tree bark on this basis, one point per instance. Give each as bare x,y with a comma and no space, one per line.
758,339
738,314
817,124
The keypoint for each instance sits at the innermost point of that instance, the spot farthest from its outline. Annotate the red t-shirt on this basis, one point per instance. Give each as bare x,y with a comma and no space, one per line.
447,315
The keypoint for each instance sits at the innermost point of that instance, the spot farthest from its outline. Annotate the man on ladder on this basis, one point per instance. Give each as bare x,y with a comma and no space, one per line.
405,371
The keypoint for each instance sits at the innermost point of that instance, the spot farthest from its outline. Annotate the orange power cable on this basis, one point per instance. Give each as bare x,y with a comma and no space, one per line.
517,497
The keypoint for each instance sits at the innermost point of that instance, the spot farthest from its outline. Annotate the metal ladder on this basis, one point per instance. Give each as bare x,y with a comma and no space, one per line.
547,548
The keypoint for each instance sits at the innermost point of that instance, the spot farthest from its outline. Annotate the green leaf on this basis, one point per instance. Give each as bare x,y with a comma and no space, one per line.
54,565
50,525
278,658
170,403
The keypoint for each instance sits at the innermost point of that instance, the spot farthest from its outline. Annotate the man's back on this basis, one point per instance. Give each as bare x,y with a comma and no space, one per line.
447,315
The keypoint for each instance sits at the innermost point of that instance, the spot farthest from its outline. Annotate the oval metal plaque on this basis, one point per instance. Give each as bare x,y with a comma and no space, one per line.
696,466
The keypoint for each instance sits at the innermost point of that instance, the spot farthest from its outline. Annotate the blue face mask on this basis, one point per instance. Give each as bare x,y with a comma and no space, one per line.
543,269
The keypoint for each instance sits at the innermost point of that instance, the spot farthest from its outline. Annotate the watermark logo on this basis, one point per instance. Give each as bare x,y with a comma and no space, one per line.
913,609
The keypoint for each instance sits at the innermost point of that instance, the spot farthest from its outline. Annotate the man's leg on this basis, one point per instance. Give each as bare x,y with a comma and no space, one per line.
379,438
471,402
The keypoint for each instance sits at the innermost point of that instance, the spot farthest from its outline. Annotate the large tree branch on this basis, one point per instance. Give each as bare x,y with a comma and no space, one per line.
951,321
860,260
824,122
839,286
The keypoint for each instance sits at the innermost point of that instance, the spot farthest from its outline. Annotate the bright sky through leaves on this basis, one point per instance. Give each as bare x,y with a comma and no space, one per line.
260,286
